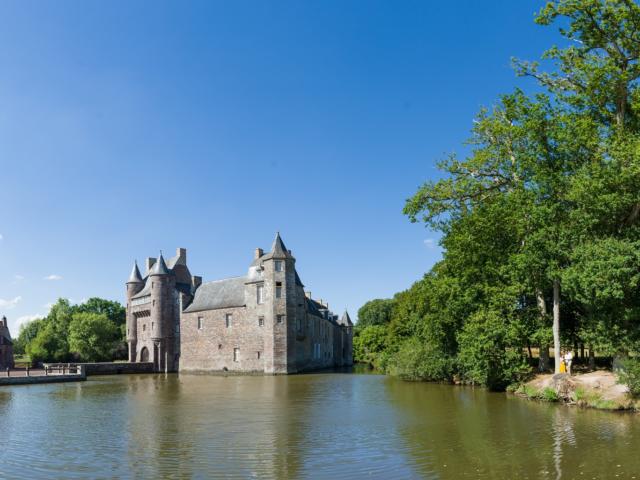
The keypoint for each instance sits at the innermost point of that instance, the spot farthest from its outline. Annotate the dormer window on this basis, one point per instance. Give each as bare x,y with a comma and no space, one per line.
279,266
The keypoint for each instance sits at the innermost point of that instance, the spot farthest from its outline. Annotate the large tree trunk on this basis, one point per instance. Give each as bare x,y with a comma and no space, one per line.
543,354
556,324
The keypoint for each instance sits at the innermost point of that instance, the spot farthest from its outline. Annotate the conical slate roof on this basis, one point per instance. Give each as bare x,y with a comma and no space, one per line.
135,276
278,249
160,267
346,319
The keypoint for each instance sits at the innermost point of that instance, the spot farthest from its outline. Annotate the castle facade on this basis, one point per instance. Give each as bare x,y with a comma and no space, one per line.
263,322
6,345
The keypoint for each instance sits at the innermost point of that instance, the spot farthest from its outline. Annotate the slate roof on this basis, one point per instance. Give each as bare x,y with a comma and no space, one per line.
278,249
346,319
218,294
160,267
312,307
146,290
135,276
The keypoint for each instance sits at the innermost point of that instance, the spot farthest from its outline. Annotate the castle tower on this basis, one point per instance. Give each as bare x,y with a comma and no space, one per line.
163,316
6,345
281,296
134,285
347,339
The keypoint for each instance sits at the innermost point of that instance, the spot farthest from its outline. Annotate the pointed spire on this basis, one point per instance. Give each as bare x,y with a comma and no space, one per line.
346,319
278,249
135,276
160,267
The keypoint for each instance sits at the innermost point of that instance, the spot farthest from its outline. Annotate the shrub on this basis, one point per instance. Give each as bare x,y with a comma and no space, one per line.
417,360
485,357
629,375
369,343
549,395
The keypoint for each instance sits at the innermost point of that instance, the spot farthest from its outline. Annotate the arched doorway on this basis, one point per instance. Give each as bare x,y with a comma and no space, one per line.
144,354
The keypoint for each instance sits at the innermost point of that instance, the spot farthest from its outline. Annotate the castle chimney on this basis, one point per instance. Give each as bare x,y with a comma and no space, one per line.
196,281
149,263
258,253
182,254
308,295
3,321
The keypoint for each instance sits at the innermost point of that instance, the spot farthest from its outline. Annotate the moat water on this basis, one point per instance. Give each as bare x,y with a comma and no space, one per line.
325,425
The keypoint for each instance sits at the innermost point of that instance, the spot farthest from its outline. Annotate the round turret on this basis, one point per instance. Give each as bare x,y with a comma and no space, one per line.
162,283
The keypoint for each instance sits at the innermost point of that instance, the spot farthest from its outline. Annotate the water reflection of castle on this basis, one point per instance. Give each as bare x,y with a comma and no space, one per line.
261,322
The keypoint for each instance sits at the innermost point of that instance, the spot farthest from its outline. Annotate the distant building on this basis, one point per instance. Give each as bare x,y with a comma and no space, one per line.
6,345
262,322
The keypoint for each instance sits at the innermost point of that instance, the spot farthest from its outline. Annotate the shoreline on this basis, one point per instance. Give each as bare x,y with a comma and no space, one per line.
597,390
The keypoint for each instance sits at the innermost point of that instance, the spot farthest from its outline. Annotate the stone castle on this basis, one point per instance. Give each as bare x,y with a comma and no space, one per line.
6,345
262,322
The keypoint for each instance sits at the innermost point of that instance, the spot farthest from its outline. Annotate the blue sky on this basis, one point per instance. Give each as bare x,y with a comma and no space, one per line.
131,127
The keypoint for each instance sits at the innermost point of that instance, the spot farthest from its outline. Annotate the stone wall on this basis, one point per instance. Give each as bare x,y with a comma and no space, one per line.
211,347
109,368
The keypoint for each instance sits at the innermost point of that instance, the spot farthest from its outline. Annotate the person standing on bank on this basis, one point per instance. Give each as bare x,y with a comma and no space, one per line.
568,358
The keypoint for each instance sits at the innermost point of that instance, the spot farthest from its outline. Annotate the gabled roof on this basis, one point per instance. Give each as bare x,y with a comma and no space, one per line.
159,268
135,276
218,294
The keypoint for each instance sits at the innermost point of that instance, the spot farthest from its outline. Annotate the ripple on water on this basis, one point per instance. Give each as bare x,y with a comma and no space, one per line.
304,426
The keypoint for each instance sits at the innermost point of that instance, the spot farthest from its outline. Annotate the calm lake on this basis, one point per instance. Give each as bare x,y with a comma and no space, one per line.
326,425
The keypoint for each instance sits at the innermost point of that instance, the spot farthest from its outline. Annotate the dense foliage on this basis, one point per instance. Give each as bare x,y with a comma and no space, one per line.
540,222
89,332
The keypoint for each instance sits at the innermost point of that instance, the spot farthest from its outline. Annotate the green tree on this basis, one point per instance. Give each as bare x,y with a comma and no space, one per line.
92,336
375,312
114,311
28,332
369,343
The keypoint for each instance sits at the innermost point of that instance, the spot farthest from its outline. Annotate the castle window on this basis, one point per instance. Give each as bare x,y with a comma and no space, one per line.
144,327
200,323
278,289
261,321
236,354
219,346
258,355
228,318
260,294
280,318
153,325
279,266
299,324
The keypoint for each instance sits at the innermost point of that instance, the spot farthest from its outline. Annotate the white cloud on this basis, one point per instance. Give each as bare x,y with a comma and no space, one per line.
430,243
47,306
23,321
53,277
18,278
10,303
1,237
